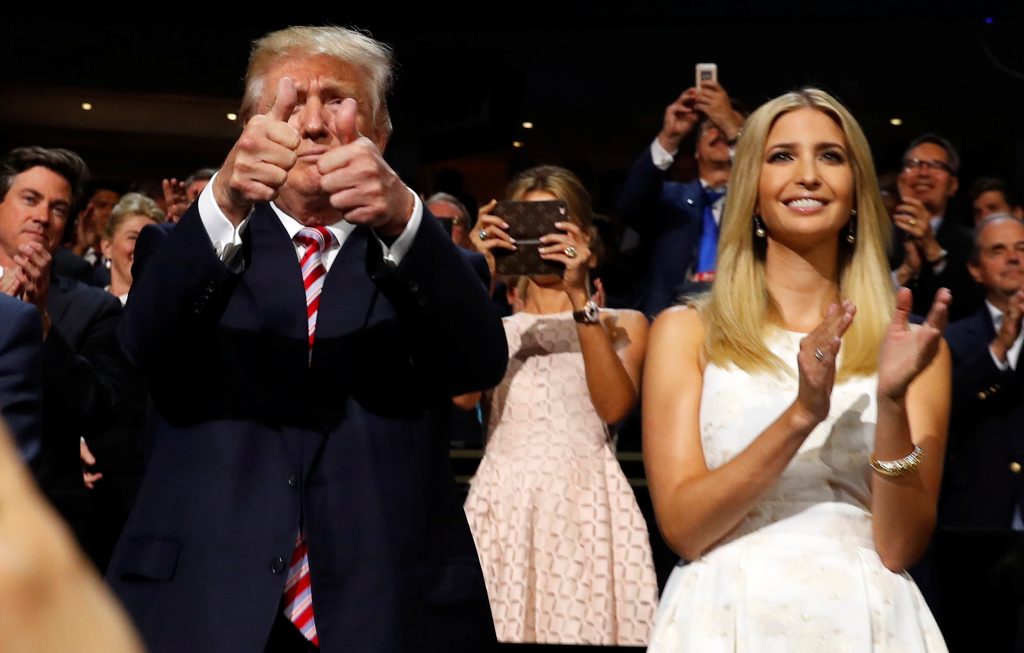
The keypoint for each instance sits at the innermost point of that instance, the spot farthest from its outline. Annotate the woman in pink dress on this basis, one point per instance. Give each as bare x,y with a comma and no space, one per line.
562,542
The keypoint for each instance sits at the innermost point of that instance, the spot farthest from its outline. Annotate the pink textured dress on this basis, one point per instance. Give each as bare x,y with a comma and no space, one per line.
562,542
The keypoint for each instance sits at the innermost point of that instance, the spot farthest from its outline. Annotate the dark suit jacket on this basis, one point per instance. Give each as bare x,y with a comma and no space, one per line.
980,487
251,438
669,218
21,336
82,366
968,296
68,264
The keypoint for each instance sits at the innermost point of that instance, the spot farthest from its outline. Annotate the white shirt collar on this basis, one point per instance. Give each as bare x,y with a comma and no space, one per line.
340,229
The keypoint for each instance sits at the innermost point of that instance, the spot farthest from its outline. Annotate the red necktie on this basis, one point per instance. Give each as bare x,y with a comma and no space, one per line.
314,240
298,595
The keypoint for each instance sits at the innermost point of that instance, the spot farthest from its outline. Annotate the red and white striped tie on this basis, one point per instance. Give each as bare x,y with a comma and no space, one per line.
298,595
314,240
298,592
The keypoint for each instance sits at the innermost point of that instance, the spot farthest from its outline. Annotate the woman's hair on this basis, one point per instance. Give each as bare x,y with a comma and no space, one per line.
129,205
561,183
739,310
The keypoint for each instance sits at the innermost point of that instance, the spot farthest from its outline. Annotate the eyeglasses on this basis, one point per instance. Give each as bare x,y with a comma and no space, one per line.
920,164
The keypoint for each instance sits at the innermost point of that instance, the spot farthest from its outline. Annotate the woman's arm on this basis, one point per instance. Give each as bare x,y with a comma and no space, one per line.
613,377
913,410
695,506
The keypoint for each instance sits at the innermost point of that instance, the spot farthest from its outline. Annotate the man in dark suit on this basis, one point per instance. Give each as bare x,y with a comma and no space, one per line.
80,360
21,335
298,427
677,222
933,248
979,545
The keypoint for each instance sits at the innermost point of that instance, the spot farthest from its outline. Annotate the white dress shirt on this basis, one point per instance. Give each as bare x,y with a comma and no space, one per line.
227,239
1013,353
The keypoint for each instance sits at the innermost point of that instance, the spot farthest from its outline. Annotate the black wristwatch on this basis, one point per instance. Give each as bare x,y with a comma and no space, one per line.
589,314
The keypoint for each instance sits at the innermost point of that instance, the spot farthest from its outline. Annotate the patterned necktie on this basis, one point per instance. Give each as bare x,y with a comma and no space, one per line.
709,232
314,240
298,595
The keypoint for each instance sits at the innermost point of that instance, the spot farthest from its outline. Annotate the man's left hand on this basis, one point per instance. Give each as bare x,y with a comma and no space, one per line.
713,101
360,183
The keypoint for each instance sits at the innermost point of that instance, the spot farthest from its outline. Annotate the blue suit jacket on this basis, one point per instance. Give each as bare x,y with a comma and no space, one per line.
986,435
251,438
21,335
669,218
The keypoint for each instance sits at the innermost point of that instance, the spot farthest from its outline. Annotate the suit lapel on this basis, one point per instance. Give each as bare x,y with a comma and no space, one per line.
274,276
57,301
345,299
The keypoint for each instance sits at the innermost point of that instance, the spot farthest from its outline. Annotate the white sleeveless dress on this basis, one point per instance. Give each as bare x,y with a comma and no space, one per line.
800,572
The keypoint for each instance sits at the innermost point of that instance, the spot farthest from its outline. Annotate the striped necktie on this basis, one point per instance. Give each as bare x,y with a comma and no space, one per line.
298,590
314,240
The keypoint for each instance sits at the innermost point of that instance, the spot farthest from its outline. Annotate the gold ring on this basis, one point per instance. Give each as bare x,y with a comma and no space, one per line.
570,251
482,234
913,222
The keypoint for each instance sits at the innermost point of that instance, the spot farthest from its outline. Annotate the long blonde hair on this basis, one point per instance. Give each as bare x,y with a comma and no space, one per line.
738,312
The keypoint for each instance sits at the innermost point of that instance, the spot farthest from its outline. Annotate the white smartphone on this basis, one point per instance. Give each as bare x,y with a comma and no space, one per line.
706,71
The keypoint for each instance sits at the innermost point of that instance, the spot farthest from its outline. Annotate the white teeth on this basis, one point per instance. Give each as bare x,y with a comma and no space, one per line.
805,203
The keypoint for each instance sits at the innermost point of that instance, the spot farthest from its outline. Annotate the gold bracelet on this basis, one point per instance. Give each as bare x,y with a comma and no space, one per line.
900,466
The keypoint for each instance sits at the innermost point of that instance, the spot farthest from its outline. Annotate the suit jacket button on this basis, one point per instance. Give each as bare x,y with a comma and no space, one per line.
1015,467
414,287
277,566
293,480
689,201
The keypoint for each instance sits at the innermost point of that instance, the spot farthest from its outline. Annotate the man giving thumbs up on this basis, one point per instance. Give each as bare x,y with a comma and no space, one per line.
305,325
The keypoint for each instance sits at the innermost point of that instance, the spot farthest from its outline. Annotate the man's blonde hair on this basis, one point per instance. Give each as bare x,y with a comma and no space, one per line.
347,46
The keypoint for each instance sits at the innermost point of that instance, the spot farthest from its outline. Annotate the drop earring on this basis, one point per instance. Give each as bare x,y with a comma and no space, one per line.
759,227
851,227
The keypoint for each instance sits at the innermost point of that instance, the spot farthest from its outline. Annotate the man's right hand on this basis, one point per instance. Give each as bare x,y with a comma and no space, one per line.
1010,328
175,198
258,164
680,117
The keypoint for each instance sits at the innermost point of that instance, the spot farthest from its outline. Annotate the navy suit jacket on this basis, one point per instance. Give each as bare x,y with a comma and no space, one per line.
980,487
968,296
21,336
82,367
669,218
252,438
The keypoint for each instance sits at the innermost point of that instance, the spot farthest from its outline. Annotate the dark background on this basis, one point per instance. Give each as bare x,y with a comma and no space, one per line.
594,78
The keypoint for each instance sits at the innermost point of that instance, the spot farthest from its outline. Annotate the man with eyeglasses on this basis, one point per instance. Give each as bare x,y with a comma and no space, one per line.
934,248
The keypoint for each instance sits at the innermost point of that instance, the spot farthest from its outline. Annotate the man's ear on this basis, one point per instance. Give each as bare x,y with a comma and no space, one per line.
975,272
381,136
953,187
